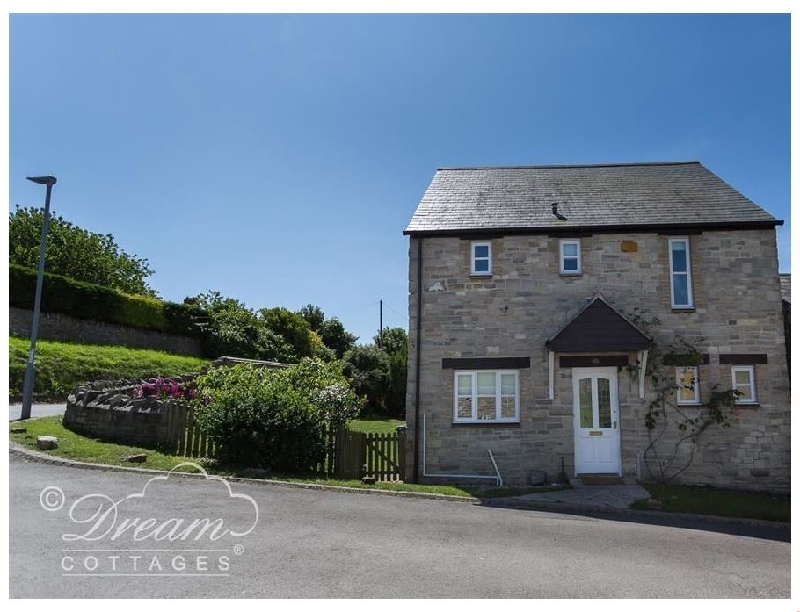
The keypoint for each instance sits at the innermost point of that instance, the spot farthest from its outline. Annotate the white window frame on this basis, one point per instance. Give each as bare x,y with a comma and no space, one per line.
473,418
562,257
751,371
473,258
687,273
686,402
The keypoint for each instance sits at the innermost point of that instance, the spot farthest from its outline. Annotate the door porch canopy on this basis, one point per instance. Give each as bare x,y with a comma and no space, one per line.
599,328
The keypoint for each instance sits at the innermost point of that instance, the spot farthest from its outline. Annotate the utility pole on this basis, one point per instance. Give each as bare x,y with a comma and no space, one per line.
380,329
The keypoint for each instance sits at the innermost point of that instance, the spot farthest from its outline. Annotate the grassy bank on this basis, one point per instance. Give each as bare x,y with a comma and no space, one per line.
720,502
62,366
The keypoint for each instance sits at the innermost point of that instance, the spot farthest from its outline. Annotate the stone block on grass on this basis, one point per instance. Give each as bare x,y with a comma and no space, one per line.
47,442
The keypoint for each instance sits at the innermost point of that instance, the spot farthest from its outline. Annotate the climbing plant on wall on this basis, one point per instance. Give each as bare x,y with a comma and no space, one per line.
675,430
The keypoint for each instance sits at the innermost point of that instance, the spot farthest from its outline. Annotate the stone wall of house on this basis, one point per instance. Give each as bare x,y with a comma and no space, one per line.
61,327
525,301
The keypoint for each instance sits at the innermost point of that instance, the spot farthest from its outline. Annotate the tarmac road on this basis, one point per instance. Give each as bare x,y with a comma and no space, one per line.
37,410
315,544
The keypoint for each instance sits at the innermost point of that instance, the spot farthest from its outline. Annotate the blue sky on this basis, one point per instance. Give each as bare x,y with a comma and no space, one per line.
277,159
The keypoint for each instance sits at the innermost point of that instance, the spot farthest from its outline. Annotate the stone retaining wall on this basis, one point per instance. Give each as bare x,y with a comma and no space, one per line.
110,410
61,327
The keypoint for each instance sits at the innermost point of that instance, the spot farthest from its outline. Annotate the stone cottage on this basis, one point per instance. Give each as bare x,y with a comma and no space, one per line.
544,300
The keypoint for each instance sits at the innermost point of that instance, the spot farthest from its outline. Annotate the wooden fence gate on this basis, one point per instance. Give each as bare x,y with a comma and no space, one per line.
184,437
353,454
371,455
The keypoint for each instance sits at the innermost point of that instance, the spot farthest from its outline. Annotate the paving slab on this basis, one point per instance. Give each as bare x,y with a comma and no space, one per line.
611,496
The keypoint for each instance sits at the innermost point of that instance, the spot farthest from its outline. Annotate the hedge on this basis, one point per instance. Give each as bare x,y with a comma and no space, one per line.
87,301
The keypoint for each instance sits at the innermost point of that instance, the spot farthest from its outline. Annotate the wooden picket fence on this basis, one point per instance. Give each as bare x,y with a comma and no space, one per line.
372,455
184,437
351,454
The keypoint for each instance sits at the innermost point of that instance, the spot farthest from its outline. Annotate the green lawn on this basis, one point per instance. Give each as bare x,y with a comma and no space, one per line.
91,450
720,502
62,366
375,424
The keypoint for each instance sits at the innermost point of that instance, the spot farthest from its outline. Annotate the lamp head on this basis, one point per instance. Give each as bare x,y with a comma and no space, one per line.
42,180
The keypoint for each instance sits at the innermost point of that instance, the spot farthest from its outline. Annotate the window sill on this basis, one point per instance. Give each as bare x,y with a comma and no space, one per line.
689,404
683,309
485,423
748,405
480,276
570,274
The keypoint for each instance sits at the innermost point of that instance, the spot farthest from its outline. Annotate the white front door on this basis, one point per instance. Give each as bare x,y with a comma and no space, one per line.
596,410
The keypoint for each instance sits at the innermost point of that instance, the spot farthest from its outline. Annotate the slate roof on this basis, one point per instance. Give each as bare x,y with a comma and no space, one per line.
598,328
786,287
587,196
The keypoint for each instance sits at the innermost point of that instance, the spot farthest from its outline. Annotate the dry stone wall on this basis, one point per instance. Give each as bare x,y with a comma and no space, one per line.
110,410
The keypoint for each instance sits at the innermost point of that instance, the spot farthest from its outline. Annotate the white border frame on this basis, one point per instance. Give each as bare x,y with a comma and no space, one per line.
474,396
752,371
693,402
561,244
472,258
689,292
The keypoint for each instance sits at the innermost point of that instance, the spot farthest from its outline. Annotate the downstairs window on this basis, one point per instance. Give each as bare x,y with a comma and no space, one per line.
486,396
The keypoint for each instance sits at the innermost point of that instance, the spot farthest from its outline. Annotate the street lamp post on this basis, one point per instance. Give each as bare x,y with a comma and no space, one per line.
27,389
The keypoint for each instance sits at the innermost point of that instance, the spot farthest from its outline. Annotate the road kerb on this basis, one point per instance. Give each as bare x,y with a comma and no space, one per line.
502,502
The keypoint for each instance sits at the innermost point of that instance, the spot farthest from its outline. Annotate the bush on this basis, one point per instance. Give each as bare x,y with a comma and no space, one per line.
276,419
87,301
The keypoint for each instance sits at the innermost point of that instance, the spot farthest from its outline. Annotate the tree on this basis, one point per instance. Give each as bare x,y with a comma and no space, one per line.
75,252
233,329
394,342
368,367
292,326
336,337
313,315
331,331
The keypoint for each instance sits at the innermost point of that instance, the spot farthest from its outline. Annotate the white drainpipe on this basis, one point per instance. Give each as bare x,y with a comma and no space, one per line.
498,478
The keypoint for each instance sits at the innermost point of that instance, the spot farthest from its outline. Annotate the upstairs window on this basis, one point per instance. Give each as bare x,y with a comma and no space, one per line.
480,261
744,382
569,257
688,385
680,273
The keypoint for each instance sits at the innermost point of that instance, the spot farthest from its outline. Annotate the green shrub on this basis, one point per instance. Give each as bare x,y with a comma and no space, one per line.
87,301
277,419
